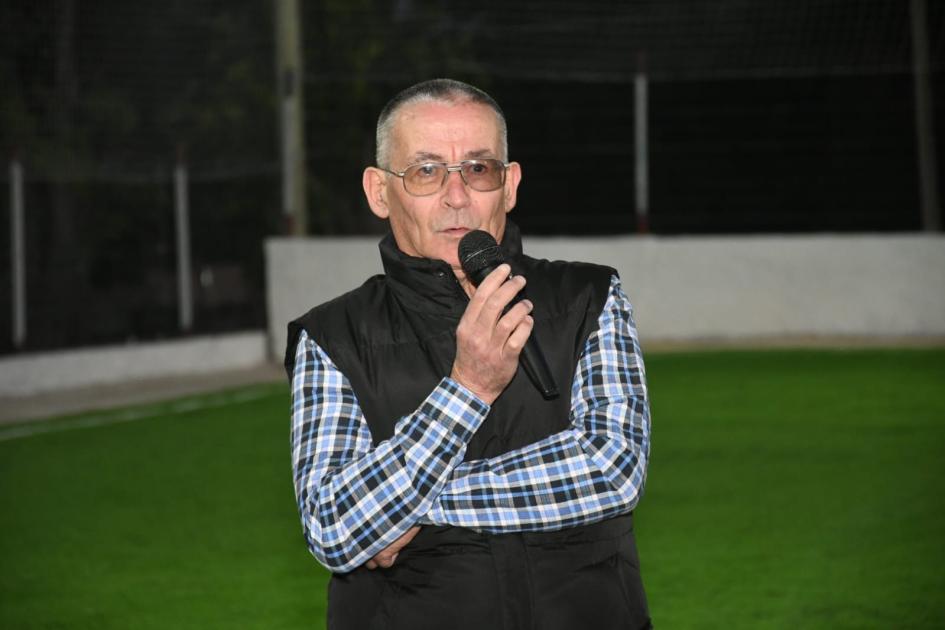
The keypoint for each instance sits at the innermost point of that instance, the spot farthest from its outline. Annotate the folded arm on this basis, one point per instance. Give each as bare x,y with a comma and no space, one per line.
356,499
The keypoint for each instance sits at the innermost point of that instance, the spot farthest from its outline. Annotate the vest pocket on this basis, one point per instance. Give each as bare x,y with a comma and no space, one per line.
455,590
590,585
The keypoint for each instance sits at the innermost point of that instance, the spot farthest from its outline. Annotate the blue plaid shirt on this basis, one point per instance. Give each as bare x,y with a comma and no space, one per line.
356,499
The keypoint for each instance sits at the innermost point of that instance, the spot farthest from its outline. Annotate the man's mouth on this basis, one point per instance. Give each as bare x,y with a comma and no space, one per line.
455,231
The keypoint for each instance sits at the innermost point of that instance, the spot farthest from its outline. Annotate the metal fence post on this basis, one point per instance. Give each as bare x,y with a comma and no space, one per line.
291,78
185,303
924,124
641,162
17,254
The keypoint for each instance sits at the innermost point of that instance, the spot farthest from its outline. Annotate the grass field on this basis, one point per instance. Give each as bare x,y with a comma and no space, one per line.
790,489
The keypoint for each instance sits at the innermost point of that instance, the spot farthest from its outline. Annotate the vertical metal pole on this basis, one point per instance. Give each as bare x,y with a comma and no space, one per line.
289,74
931,218
185,304
641,152
17,254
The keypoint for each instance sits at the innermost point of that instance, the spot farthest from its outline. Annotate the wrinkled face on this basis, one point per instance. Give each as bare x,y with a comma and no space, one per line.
431,226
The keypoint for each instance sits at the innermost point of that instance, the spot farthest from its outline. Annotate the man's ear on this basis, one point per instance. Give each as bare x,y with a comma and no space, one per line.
512,179
374,182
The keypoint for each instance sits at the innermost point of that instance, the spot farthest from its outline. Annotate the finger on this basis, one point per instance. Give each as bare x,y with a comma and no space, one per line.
385,560
496,277
510,321
371,565
519,336
496,303
491,282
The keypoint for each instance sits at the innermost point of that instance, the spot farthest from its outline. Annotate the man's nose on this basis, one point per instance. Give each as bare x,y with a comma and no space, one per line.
457,193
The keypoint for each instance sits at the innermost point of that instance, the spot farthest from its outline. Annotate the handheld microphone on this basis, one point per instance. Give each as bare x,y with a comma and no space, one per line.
479,255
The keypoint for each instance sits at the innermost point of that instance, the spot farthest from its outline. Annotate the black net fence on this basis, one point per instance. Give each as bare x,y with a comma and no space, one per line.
769,116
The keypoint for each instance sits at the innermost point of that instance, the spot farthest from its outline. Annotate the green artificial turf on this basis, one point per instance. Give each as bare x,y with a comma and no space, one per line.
796,490
788,489
184,520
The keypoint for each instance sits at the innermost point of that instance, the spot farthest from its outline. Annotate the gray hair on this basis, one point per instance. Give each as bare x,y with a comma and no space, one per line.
439,91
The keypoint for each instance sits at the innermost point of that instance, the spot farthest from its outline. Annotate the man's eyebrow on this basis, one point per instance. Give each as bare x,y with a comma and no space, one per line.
425,156
479,153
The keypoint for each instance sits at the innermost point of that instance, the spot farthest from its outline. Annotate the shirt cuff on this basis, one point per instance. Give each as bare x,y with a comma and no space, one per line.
454,406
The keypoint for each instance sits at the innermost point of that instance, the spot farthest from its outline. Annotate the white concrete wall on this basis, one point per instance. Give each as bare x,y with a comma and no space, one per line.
301,273
691,288
36,373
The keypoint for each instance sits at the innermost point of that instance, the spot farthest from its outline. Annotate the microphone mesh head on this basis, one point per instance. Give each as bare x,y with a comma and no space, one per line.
478,250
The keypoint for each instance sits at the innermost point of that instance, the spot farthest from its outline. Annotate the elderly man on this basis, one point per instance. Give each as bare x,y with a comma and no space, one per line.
433,479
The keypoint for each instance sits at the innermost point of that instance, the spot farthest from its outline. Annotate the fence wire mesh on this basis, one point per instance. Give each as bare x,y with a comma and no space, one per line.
764,116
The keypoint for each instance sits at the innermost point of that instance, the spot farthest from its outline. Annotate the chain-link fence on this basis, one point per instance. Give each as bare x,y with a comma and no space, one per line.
760,117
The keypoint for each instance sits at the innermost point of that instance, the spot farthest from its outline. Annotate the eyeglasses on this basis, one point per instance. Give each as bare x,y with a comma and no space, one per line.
428,178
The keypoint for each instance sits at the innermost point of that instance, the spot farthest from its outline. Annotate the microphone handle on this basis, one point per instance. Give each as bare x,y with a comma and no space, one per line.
533,360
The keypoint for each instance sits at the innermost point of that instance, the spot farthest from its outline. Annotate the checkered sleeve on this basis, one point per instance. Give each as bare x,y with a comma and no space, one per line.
355,498
594,470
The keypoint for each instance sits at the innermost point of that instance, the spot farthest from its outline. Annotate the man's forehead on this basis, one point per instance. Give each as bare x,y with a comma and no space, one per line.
436,108
420,127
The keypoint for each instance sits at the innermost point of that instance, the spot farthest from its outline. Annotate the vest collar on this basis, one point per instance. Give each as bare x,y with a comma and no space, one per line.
429,285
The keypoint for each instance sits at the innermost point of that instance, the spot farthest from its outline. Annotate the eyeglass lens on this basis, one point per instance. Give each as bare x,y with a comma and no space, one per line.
481,175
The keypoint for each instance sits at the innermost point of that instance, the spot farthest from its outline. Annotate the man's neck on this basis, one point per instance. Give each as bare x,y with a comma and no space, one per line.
464,281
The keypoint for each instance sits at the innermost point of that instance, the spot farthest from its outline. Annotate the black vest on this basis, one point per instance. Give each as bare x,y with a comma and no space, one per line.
394,339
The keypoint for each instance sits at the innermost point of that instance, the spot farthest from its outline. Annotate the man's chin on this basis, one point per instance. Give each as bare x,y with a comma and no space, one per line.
448,247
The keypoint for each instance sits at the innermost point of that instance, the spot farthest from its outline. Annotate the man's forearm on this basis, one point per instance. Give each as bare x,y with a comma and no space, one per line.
355,499
566,480
595,470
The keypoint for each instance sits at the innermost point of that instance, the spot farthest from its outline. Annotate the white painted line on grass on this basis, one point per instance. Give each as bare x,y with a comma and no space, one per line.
130,415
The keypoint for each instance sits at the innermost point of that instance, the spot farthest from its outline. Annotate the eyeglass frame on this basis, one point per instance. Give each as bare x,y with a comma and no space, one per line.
454,168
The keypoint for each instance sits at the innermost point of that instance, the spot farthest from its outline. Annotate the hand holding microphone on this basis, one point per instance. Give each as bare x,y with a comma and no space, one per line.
489,338
495,332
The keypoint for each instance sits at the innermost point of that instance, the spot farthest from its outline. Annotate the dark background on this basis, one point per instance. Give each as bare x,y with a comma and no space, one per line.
764,116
